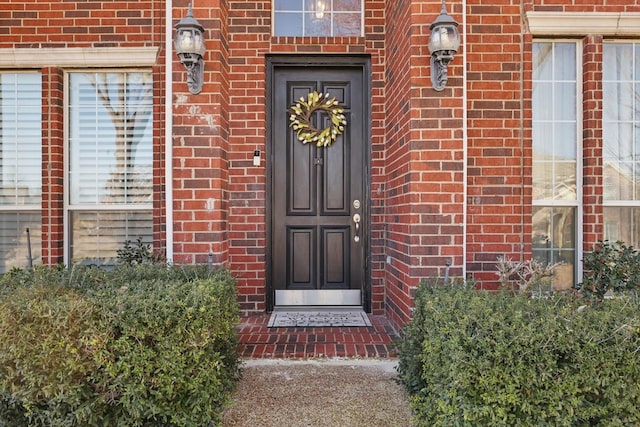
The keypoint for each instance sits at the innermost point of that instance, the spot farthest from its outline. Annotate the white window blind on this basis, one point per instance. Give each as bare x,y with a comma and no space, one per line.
20,139
20,168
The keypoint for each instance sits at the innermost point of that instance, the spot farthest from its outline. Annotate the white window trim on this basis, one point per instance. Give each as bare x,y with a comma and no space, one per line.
79,57
583,23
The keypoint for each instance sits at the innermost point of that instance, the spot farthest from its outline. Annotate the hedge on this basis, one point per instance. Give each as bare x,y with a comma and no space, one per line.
135,346
472,358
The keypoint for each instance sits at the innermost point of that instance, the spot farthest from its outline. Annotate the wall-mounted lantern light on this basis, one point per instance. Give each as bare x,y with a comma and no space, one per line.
189,44
319,7
443,45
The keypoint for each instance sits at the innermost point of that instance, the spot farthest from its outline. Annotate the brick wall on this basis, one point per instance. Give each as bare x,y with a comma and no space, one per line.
250,24
592,142
201,145
376,43
437,155
499,153
80,24
62,23
396,206
424,160
53,158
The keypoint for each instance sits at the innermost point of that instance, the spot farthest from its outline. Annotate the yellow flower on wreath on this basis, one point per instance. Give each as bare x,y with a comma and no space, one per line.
302,111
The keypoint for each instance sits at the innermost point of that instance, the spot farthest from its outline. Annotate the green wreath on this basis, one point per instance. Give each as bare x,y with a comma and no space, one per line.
302,111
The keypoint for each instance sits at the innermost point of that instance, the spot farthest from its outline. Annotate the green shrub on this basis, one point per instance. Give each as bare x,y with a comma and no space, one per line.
610,267
133,346
475,358
32,277
46,355
173,358
133,253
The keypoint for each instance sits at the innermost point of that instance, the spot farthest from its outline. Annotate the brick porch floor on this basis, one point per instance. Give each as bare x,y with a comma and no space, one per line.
258,341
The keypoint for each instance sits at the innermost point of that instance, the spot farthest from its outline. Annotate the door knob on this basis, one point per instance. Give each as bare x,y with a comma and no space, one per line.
356,220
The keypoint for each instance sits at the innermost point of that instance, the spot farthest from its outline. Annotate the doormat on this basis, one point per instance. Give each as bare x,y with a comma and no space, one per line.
317,318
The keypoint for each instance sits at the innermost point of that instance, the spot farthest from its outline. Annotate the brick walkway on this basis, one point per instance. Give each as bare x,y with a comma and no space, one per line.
258,341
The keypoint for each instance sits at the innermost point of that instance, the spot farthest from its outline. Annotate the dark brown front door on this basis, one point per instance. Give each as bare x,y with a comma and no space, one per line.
318,207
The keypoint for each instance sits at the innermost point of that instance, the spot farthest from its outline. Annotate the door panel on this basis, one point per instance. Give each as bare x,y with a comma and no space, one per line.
335,252
336,179
300,257
316,258
301,180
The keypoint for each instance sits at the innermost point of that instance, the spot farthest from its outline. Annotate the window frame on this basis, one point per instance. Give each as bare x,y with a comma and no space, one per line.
68,207
620,203
577,204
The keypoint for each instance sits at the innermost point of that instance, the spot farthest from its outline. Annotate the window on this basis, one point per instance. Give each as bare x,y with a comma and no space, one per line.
621,142
109,163
555,161
20,168
318,17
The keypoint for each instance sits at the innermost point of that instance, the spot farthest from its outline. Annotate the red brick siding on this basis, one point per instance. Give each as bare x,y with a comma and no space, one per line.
61,23
498,220
396,168
581,5
437,155
201,145
375,43
52,166
250,26
592,142
424,159
159,150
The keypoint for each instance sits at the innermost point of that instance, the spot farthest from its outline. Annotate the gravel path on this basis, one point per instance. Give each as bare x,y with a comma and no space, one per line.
318,393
